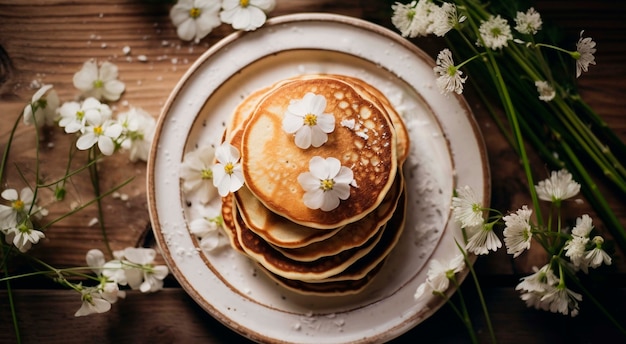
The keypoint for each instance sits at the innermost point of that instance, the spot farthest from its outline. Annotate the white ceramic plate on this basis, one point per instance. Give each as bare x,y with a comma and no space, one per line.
446,151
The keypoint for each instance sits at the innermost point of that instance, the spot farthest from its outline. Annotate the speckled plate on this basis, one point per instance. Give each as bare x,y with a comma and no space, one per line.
446,151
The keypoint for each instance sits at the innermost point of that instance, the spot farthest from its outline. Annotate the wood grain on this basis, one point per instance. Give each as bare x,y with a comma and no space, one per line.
47,41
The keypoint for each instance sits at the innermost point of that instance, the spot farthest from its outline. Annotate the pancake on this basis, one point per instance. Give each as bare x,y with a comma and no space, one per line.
262,252
326,288
352,235
271,161
228,221
273,228
402,134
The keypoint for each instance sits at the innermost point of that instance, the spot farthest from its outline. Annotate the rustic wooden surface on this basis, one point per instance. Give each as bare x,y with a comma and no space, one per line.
46,41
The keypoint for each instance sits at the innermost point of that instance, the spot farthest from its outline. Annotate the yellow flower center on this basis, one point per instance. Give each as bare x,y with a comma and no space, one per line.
310,119
98,130
327,184
98,84
244,3
207,174
18,205
229,168
195,12
80,114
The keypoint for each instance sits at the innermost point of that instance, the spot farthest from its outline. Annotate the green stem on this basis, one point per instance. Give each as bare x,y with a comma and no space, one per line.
95,182
16,326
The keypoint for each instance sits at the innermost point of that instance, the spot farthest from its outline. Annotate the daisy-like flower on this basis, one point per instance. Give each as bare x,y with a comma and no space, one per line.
99,130
539,281
495,33
483,240
439,275
450,77
227,173
467,208
326,183
596,256
93,302
528,23
42,108
247,15
414,19
558,187
138,131
545,90
517,231
207,230
194,19
306,118
585,48
584,226
445,18
575,250
197,174
20,206
560,299
73,115
99,82
146,277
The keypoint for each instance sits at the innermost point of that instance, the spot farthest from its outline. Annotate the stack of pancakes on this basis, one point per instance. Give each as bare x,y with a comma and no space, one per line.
309,250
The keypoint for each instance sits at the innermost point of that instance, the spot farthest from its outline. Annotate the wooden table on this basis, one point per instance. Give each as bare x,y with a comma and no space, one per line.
48,40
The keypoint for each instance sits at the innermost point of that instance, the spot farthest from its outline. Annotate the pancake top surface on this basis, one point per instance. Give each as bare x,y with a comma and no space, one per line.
272,162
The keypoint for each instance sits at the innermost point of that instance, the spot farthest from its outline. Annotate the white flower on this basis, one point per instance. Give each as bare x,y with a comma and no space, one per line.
597,255
528,23
445,18
558,187
583,227
108,288
23,235
495,32
44,103
20,206
560,299
306,118
93,302
74,114
585,48
575,249
517,231
439,275
326,183
483,240
413,19
100,83
197,175
450,77
138,131
246,15
146,277
227,173
467,209
545,90
538,281
99,130
207,230
194,19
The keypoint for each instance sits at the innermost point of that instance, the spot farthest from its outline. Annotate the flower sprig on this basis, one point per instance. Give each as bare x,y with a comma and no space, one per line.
90,124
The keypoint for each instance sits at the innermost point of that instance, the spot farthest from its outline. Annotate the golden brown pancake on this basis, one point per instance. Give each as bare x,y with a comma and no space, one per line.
273,228
272,162
262,252
352,235
228,217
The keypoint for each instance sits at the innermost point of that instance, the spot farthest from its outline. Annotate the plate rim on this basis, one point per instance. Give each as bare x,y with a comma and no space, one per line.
391,332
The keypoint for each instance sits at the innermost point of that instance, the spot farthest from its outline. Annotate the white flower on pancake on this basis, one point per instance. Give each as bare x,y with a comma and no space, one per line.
326,183
306,118
247,15
227,174
197,175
